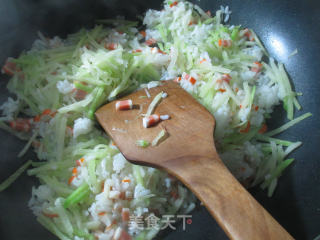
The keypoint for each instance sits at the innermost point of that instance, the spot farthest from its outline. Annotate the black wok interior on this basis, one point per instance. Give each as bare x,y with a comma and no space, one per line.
283,25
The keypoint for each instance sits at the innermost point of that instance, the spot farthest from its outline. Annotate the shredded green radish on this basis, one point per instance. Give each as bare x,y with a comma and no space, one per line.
277,172
27,146
6,183
277,141
288,125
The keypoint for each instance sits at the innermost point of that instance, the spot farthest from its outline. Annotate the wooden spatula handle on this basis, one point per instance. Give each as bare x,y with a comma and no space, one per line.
235,210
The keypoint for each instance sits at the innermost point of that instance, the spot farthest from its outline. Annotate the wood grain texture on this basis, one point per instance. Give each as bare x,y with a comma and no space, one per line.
189,154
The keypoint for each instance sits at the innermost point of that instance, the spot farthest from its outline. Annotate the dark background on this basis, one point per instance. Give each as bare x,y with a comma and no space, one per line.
283,25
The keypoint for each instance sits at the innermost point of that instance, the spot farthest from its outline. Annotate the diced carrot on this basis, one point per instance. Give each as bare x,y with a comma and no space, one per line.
224,43
177,79
221,90
126,180
46,112
258,63
101,213
162,52
257,68
226,78
190,23
143,33
111,46
102,187
263,128
50,215
21,124
37,118
173,4
248,34
203,60
151,41
71,179
192,80
256,108
125,214
236,90
74,171
245,130
137,50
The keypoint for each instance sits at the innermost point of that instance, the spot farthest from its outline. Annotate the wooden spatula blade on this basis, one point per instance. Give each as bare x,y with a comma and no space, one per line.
189,129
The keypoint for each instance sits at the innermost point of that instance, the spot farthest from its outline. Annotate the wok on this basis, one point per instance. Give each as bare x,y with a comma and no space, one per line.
283,25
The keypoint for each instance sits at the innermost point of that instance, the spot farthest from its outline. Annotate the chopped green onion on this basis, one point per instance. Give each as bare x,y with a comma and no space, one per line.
142,143
79,194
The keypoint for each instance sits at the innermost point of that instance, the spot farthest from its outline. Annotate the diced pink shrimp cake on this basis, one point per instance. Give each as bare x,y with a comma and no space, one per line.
124,105
150,120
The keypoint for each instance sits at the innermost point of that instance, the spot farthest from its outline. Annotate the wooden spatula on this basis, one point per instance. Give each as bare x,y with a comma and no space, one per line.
189,154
